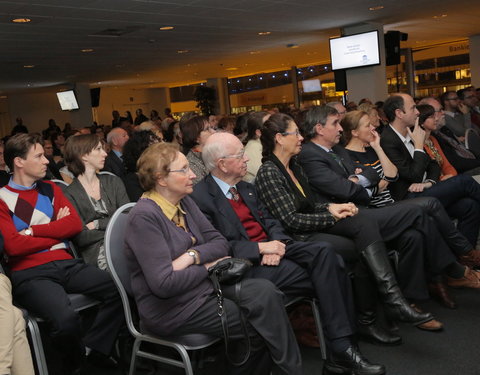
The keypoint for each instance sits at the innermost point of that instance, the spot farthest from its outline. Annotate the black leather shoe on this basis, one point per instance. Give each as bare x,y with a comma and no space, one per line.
377,335
351,361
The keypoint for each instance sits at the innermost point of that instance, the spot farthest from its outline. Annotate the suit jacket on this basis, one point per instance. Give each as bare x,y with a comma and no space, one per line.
410,170
213,203
329,179
114,164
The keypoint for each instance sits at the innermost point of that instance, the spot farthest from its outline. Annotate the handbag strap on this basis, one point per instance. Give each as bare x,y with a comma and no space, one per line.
223,316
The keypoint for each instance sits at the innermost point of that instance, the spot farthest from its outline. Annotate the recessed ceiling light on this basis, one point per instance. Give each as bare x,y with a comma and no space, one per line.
86,50
3,97
182,51
233,68
264,33
440,16
376,8
166,28
254,52
29,66
21,20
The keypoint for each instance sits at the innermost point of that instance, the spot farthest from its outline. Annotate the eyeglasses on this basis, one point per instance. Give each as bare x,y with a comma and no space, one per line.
296,132
240,155
182,171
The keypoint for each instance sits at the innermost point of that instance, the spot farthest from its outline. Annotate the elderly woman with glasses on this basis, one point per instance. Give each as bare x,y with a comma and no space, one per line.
170,245
195,133
95,196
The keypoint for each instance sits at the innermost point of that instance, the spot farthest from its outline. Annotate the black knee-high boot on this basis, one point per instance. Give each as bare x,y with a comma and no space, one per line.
396,307
365,292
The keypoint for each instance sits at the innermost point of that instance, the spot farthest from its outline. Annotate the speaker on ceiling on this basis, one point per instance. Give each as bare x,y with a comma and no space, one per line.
392,46
95,96
340,80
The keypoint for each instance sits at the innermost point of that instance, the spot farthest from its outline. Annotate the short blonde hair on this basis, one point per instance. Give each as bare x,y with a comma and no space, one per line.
154,163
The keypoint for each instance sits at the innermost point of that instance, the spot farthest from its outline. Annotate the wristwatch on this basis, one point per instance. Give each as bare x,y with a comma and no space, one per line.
194,255
28,232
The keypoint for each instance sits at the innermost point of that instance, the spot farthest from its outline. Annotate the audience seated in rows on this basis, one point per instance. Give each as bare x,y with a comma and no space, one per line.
296,268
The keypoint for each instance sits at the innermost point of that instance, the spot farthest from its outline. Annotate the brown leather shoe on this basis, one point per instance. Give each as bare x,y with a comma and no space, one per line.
431,325
471,279
470,259
439,292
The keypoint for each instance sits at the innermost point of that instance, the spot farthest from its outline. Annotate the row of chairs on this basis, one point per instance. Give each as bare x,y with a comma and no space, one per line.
117,265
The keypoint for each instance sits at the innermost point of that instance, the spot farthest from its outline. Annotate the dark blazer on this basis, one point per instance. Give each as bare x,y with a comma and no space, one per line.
213,203
113,194
329,180
114,164
410,170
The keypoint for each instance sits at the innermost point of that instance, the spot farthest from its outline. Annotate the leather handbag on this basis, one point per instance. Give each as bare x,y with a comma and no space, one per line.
228,272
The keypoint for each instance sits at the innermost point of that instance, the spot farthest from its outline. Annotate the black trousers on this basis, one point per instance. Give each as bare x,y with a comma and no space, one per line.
460,195
270,332
409,230
43,290
314,269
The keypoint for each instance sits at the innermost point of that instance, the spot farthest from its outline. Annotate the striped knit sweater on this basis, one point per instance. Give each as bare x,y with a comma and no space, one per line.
37,208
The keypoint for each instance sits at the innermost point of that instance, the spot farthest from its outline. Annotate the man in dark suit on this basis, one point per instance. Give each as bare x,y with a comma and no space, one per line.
296,268
419,174
114,162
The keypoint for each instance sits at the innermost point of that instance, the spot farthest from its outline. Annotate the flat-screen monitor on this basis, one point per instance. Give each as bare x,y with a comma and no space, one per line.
355,51
67,100
311,85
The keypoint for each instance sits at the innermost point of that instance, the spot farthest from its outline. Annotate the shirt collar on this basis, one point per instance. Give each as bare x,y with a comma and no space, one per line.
169,209
323,147
224,187
15,186
405,140
118,153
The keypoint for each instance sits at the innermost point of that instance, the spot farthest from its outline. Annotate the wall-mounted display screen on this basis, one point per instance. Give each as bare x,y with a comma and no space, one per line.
67,100
354,51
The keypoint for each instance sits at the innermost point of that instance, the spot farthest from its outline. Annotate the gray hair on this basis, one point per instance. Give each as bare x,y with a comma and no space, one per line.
215,148
317,115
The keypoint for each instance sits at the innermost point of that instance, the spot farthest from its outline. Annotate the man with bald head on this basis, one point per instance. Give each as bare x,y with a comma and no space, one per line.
296,268
419,175
116,138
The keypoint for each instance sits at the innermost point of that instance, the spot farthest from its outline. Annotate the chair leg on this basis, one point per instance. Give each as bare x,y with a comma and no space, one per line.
318,324
185,359
133,361
40,360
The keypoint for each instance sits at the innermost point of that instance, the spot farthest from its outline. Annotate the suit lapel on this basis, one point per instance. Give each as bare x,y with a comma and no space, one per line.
224,207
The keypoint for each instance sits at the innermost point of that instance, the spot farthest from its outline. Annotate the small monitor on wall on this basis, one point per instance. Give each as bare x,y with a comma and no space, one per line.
67,100
311,85
355,51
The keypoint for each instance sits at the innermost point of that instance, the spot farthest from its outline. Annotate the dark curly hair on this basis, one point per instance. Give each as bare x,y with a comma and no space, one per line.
134,147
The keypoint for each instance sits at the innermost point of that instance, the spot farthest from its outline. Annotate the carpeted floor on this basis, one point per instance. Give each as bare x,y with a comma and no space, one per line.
455,351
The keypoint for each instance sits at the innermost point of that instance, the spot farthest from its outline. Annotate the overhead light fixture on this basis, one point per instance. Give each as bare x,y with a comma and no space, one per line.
21,20
440,16
261,33
29,66
182,51
233,68
166,28
86,50
376,8
254,52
